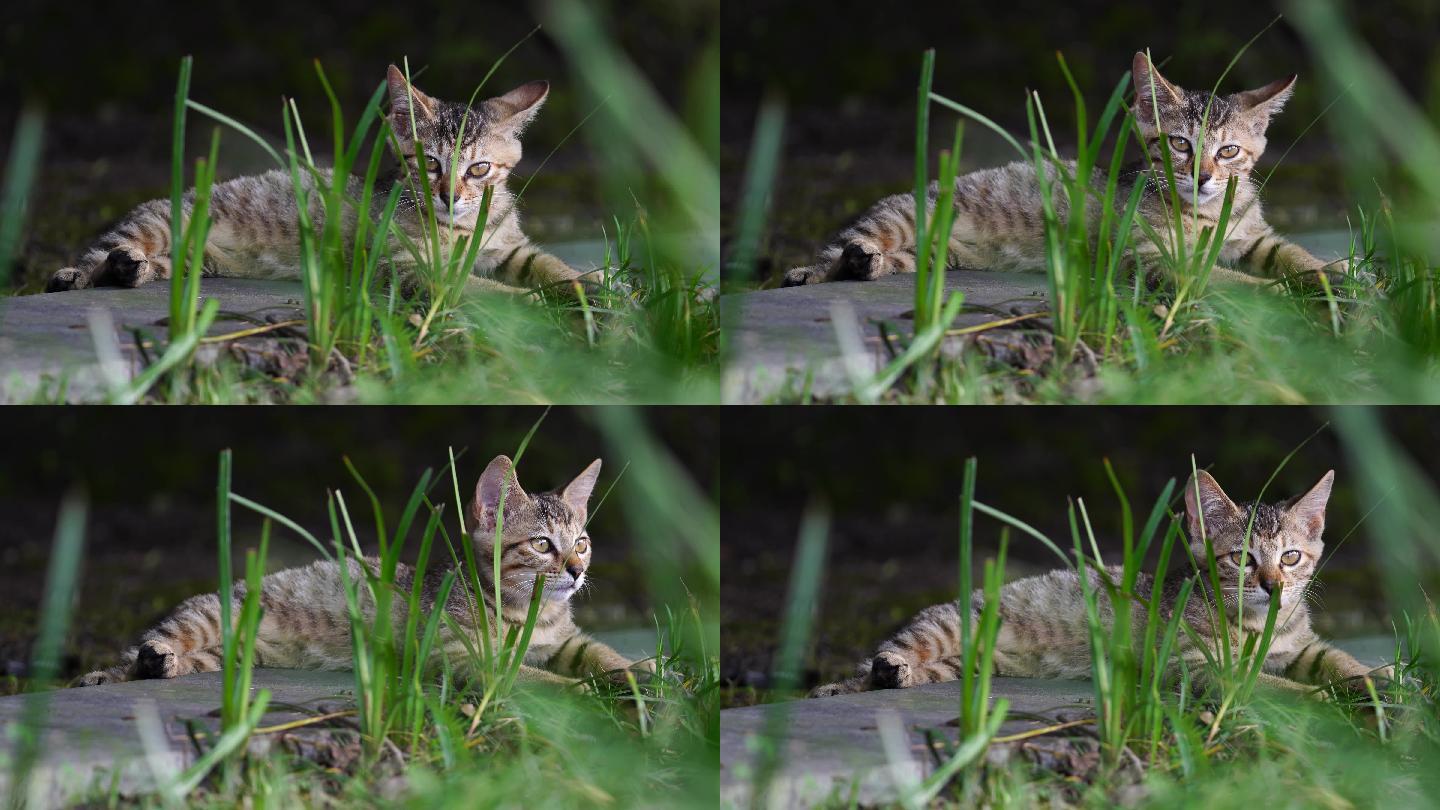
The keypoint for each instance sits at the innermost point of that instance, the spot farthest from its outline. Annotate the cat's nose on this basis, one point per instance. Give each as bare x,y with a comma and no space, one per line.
1269,583
1203,178
574,568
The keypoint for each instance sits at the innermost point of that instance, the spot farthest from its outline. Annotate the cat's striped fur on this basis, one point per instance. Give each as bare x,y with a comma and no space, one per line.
999,223
305,623
1043,629
255,224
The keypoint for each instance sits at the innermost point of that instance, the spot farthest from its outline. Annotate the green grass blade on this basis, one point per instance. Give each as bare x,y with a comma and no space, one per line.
61,578
20,170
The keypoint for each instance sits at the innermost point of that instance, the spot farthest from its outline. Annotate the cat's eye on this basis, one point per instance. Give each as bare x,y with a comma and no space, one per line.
582,545
1179,144
1238,559
431,164
540,544
1227,152
1290,557
478,169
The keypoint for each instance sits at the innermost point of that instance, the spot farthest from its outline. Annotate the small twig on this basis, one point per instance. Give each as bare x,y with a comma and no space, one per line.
395,749
142,346
1040,732
886,341
968,330
885,338
258,330
347,372
308,721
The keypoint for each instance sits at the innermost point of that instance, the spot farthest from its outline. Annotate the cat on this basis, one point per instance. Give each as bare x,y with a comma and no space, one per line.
255,225
999,221
305,624
1043,631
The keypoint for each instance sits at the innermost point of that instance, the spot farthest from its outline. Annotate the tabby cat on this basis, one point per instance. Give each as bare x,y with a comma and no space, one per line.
305,624
255,223
999,222
1043,631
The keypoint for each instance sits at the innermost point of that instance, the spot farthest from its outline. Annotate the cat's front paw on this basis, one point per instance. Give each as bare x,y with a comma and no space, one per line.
829,690
1342,270
1360,271
67,278
800,276
97,678
598,283
642,671
861,265
890,671
156,660
127,267
1383,678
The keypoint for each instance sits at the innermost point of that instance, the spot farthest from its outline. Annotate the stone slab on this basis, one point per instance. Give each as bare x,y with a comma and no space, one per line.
781,341
92,736
702,253
47,344
46,340
833,746
775,338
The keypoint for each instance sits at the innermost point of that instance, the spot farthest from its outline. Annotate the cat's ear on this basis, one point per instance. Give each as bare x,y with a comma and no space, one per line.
405,97
497,482
516,108
1148,83
1269,99
1309,509
576,494
1204,497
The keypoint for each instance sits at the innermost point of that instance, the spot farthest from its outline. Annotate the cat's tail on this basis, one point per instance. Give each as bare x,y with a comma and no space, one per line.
880,242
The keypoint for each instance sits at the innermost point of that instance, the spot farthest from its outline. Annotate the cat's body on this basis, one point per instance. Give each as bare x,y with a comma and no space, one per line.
306,625
255,223
1044,631
999,213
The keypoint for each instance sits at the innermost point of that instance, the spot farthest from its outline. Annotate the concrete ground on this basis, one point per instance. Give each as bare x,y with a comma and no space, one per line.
833,746
48,341
781,341
93,735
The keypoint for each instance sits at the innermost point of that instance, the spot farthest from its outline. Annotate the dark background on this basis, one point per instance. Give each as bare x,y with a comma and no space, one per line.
105,74
150,477
847,72
891,482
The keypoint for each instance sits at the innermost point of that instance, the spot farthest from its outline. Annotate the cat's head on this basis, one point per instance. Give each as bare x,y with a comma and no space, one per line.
488,136
1228,144
1285,543
543,533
